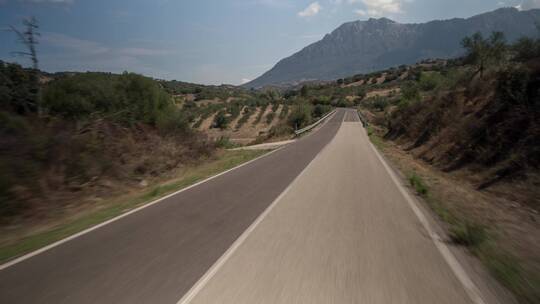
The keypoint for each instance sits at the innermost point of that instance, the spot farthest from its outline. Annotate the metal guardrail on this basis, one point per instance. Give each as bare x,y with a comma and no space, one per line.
313,125
364,121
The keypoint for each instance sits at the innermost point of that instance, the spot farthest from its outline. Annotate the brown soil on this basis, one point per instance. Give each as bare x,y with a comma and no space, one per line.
207,123
355,84
383,92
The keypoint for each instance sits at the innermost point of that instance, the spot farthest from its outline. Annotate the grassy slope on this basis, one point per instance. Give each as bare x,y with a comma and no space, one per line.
116,206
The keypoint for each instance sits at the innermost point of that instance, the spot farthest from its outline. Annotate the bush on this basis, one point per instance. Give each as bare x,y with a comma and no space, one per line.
429,81
280,130
410,92
300,115
380,103
18,89
526,49
225,142
126,98
468,234
172,122
512,86
320,110
418,184
220,120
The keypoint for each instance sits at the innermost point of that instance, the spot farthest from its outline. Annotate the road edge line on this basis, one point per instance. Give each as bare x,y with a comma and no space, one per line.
116,218
209,274
470,288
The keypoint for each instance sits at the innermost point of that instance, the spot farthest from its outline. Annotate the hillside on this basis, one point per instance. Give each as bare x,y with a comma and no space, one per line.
376,44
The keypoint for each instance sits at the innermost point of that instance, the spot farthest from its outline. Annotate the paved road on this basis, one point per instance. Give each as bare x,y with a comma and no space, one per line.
158,253
342,233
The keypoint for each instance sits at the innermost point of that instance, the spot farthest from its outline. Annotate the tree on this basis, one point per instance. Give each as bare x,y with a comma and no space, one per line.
29,40
483,52
301,115
525,49
380,103
304,91
220,121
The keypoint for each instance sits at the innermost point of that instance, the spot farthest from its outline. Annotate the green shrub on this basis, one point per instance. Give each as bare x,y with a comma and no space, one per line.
280,130
126,98
410,92
300,115
526,49
429,81
225,142
380,103
18,88
512,86
418,184
468,234
220,120
320,110
172,122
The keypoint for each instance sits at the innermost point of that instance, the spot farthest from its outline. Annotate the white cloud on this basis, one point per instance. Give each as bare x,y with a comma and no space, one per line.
312,10
380,7
244,80
528,4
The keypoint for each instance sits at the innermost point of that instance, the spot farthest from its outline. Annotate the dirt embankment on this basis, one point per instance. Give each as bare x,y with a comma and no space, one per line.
485,128
57,166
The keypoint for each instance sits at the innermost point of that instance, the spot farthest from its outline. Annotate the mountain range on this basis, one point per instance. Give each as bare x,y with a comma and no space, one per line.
365,46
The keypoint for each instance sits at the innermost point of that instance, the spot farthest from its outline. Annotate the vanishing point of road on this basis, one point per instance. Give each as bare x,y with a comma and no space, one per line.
321,220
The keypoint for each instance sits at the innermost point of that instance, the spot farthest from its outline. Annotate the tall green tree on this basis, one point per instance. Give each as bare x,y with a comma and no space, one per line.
483,52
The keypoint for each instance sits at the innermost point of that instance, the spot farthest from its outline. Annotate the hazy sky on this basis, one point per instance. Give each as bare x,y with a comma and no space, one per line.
205,41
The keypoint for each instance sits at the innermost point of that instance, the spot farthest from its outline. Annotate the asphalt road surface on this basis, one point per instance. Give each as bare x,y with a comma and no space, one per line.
343,233
326,224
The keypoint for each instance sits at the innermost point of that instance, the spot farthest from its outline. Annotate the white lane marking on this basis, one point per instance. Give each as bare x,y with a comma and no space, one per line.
472,291
74,236
201,283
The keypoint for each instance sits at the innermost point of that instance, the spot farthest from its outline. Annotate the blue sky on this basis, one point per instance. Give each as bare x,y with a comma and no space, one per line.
205,41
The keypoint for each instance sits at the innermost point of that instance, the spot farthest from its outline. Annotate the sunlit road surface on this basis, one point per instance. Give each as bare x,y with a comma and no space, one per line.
342,233
319,221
